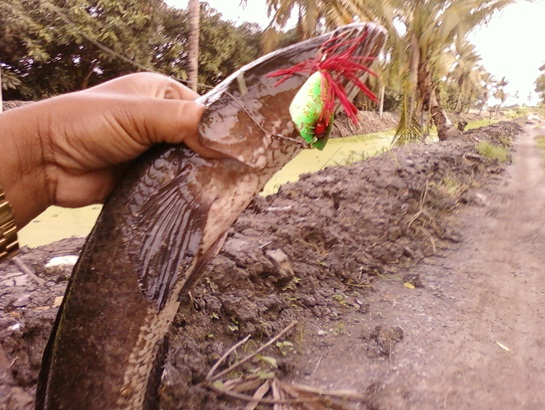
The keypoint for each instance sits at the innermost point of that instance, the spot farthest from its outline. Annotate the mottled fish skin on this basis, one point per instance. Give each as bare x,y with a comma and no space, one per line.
162,224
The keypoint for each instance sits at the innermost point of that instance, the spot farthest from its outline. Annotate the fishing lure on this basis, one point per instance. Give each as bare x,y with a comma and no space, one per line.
313,108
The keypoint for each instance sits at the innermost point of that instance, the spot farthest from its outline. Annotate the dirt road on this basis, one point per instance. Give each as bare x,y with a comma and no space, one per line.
475,335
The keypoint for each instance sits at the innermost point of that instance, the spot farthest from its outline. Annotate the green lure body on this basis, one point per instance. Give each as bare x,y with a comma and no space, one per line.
306,111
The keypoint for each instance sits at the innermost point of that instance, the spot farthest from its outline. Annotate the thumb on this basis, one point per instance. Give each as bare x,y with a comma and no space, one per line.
173,122
170,121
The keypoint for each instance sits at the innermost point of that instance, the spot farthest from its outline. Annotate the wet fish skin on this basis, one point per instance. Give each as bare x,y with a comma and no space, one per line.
162,224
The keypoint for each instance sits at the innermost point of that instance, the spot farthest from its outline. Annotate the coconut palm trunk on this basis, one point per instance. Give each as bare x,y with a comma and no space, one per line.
432,103
193,57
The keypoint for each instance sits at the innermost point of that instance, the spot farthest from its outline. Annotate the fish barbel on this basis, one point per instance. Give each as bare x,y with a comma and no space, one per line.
163,223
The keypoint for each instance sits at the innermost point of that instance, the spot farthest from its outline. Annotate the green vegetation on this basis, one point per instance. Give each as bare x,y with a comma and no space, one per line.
491,151
285,347
453,187
517,112
52,46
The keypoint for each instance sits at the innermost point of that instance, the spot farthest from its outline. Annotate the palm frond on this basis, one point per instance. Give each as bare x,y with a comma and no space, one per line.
409,128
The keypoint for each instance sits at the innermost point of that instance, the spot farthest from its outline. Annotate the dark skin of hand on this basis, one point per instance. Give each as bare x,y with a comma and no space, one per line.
70,150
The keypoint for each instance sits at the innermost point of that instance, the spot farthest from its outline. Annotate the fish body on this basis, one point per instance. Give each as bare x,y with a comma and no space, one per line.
163,223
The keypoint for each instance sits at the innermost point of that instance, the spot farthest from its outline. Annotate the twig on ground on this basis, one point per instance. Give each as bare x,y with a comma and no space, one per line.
317,365
26,270
251,356
420,205
222,358
251,399
282,396
430,237
258,395
345,394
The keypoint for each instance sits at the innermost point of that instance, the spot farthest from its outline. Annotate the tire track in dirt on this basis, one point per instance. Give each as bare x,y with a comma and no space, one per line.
486,295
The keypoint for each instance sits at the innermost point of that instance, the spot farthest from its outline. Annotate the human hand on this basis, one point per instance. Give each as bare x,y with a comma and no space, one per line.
69,150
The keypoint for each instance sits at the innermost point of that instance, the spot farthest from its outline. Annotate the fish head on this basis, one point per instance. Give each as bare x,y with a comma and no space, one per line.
286,100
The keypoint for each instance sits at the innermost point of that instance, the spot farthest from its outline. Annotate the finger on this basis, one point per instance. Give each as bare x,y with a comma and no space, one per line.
177,91
172,122
73,190
169,120
152,85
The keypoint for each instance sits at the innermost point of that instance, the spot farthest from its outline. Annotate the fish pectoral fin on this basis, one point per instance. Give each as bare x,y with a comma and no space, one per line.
171,225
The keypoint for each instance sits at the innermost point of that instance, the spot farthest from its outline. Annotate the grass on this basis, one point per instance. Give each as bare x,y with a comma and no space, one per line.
479,124
540,141
452,186
491,151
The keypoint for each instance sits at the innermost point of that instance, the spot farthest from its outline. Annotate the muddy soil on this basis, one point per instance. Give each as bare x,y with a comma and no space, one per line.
414,279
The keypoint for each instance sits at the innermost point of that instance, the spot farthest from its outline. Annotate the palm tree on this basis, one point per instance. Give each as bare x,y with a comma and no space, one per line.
193,51
313,17
483,89
421,32
500,93
476,88
465,73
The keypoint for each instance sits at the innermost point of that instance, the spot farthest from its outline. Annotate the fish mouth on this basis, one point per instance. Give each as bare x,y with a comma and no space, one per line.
363,33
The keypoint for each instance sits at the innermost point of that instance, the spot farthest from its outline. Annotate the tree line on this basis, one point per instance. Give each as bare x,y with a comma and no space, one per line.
49,47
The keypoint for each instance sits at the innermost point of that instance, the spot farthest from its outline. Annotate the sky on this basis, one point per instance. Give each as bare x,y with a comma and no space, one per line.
511,45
